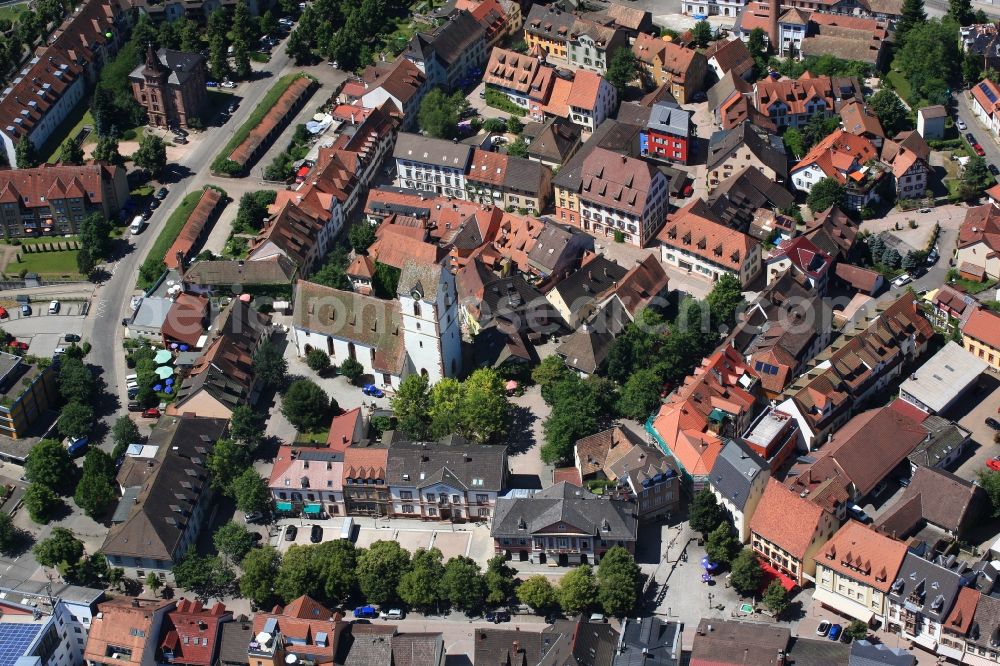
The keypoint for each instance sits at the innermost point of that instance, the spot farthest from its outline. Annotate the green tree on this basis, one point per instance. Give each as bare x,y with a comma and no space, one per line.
380,569
462,584
85,263
579,407
961,12
106,150
96,491
623,69
857,630
352,369
336,562
776,598
989,481
519,148
420,587
123,433
548,373
318,360
190,37
361,236
794,142
975,177
705,513
484,406
49,465
578,590
41,502
153,582
891,258
538,593
233,540
152,154
246,426
242,32
617,582
702,33
250,492
305,405
439,113
75,419
9,534
411,405
825,193
76,383
260,570
725,300
890,111
500,580
746,575
218,28
913,14
269,365
252,213
225,462
641,395
930,60
297,574
60,549
757,45
722,546
205,575
71,152
24,153
445,407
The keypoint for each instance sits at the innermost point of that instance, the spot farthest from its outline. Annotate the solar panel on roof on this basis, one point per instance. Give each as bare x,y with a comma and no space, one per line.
15,639
989,93
270,625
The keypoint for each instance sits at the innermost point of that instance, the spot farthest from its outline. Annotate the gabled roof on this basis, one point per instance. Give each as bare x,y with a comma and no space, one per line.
787,520
981,225
569,505
860,120
400,78
618,182
191,632
125,622
735,470
768,148
864,555
833,232
983,325
308,628
731,55
448,42
428,150
839,156
224,272
934,495
736,199
804,255
454,461
276,115
696,229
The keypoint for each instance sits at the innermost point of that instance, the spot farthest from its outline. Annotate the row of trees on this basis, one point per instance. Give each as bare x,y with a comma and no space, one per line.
343,31
476,408
386,574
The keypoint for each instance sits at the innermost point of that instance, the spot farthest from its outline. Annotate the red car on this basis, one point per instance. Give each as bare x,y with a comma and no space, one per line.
17,344
151,413
979,149
994,463
3,313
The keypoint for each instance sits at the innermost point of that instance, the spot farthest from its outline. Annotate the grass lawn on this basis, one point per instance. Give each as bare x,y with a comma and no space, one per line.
313,438
172,227
264,104
77,118
899,83
404,30
974,287
12,12
47,263
49,239
142,191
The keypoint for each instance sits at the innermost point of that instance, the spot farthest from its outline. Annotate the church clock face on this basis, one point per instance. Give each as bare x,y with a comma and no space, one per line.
416,295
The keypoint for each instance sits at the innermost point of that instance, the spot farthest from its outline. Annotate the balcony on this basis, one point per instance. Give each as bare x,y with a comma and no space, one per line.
266,648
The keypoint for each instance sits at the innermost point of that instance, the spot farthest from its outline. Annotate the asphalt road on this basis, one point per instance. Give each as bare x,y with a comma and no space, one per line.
111,301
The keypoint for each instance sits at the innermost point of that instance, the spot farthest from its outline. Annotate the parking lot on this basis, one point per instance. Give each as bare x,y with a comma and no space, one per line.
43,332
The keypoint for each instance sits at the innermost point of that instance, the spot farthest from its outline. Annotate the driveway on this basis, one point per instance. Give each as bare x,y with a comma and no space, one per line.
989,143
971,414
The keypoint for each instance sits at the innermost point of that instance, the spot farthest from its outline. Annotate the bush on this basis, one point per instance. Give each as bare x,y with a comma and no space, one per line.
498,100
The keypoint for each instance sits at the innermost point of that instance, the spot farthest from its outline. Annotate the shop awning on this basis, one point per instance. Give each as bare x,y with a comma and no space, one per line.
312,509
848,607
770,574
283,506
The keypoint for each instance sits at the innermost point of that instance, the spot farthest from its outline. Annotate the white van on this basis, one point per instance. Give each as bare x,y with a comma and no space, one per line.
347,529
137,224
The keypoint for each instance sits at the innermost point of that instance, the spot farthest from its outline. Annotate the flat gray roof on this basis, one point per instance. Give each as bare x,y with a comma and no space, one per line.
943,377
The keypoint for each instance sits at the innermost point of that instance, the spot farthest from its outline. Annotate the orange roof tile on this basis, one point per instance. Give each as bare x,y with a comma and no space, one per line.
585,89
696,229
786,520
864,555
984,325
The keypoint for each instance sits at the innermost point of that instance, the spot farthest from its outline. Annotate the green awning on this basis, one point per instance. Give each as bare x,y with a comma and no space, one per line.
313,508
283,506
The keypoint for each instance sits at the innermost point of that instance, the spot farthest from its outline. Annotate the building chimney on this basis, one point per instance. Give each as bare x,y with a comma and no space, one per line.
773,12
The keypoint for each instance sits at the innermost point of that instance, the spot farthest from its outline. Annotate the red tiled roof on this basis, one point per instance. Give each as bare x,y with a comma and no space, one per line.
487,167
839,155
124,622
980,90
731,55
190,234
34,188
274,117
395,249
617,182
342,429
794,93
696,229
185,320
301,621
512,70
584,91
365,462
981,225
786,520
864,555
191,632
804,255
961,615
984,325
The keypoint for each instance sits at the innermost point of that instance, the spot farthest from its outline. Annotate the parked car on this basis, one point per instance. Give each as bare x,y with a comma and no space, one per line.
960,124
25,310
58,351
993,423
151,413
3,313
255,517
154,204
859,514
54,307
904,481
161,193
373,391
134,406
181,140
496,617
211,84
232,107
367,611
291,532
146,214
71,337
835,632
823,629
994,463
902,280
970,138
229,85
316,534
392,614
133,392
993,169
978,150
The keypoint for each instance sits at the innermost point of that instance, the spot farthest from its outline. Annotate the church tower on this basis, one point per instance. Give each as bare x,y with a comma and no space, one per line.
155,90
429,306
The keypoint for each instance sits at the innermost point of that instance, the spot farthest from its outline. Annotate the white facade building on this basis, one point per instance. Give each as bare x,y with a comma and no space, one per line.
432,165
429,309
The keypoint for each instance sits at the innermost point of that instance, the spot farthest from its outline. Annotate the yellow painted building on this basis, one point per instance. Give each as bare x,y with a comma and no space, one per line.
981,336
26,392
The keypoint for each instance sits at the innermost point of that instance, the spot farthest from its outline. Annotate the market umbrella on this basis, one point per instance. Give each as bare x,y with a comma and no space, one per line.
170,381
705,578
173,345
184,347
158,387
511,385
164,371
163,356
168,390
